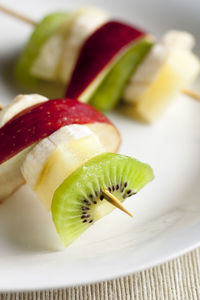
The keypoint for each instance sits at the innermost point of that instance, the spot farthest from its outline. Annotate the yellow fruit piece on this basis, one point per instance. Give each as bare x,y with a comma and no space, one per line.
63,161
177,72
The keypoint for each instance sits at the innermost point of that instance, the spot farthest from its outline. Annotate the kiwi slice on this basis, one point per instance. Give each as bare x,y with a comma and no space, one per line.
79,201
108,93
43,31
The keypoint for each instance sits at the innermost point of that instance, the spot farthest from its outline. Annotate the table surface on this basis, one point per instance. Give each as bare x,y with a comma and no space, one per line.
178,279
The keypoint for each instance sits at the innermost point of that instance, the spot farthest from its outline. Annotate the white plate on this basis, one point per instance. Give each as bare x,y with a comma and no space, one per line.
167,212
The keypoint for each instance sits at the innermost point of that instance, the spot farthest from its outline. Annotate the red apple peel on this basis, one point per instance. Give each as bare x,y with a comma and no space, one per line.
98,51
37,122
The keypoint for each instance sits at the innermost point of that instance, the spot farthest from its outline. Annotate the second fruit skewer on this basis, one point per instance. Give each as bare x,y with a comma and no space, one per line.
191,94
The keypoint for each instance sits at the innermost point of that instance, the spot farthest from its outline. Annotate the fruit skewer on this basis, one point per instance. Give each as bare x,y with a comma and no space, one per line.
105,193
59,150
141,86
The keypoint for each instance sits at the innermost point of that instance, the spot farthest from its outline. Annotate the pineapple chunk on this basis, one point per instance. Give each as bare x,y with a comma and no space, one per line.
64,160
167,70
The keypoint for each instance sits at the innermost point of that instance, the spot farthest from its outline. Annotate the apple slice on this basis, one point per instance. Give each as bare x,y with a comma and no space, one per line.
84,25
37,122
42,34
18,104
106,62
46,65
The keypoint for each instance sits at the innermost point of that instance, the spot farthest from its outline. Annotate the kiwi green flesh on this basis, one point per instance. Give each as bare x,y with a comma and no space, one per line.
78,202
42,32
110,90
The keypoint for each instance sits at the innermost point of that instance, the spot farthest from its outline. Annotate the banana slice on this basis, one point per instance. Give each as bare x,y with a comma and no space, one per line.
10,175
179,39
168,68
54,158
84,25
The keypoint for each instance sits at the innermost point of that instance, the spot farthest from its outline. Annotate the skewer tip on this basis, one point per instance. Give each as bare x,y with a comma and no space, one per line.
192,94
114,201
17,15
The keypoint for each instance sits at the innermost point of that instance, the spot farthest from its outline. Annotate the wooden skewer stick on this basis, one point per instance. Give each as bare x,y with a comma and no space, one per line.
191,94
114,201
25,19
1,107
17,15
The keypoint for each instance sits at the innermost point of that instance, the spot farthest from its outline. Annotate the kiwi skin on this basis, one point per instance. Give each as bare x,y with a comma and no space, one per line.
78,202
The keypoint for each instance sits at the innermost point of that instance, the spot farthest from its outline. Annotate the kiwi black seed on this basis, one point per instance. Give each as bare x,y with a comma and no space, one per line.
79,200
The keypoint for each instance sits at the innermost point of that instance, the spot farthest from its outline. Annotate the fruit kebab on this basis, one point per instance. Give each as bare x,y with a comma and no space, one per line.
64,150
89,119
113,60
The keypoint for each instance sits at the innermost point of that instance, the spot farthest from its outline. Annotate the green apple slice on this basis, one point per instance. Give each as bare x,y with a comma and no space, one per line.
42,33
108,93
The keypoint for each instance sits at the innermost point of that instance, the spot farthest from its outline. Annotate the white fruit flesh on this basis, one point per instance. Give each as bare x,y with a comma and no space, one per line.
107,134
179,39
46,65
51,161
167,69
47,62
81,29
18,104
10,174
